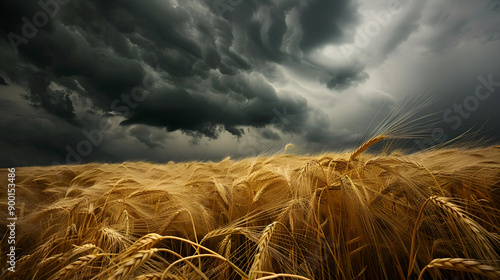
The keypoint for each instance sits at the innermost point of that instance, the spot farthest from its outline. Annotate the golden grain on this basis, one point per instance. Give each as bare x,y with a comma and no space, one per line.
327,216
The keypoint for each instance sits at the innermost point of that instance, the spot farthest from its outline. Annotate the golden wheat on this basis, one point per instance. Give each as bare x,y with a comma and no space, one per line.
478,232
367,145
262,252
71,268
143,243
129,264
465,265
326,216
156,276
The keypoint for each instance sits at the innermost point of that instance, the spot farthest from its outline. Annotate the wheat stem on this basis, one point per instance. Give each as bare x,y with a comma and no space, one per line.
414,236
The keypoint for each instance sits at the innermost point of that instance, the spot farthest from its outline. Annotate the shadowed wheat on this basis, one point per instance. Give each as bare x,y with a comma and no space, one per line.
330,216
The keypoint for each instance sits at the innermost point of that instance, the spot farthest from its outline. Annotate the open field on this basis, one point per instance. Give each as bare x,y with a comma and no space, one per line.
434,214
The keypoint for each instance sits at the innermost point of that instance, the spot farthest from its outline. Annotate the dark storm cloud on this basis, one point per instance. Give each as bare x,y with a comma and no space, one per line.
494,5
452,28
103,49
267,133
235,71
207,113
322,22
35,136
144,135
56,102
343,78
412,13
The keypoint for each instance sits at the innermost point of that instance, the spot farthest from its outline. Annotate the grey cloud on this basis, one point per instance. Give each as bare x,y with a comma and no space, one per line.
221,77
340,79
102,47
319,128
56,102
3,82
208,113
452,28
323,21
148,137
412,13
35,137
494,5
269,134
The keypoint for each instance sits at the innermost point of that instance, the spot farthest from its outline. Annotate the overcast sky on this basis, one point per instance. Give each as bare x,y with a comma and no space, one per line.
162,80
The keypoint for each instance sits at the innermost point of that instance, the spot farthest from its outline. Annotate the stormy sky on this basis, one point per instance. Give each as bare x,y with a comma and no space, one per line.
162,80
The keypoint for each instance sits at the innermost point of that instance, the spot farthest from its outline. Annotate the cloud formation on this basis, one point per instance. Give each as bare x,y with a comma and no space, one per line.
207,62
224,70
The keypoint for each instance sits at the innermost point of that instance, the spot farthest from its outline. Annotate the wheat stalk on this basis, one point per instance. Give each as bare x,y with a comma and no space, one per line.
262,245
366,145
465,265
227,230
54,258
289,145
460,215
456,211
127,223
157,276
128,265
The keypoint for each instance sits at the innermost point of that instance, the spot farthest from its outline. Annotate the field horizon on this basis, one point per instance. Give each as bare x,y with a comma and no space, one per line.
354,215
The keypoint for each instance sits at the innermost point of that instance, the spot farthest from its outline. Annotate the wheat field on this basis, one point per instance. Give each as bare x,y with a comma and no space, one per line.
353,215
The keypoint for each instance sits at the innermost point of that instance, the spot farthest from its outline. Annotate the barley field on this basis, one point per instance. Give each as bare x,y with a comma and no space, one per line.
434,214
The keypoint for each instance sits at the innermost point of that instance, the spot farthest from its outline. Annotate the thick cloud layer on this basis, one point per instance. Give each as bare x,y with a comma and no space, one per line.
206,60
254,73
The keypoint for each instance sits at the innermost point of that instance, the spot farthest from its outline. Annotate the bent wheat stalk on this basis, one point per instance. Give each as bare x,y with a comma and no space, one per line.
465,265
261,256
461,216
366,145
414,236
215,255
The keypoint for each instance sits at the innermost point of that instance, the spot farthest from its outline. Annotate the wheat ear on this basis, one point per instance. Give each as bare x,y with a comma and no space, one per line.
465,265
144,243
367,145
70,268
156,276
460,215
456,211
151,276
128,265
283,275
262,245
